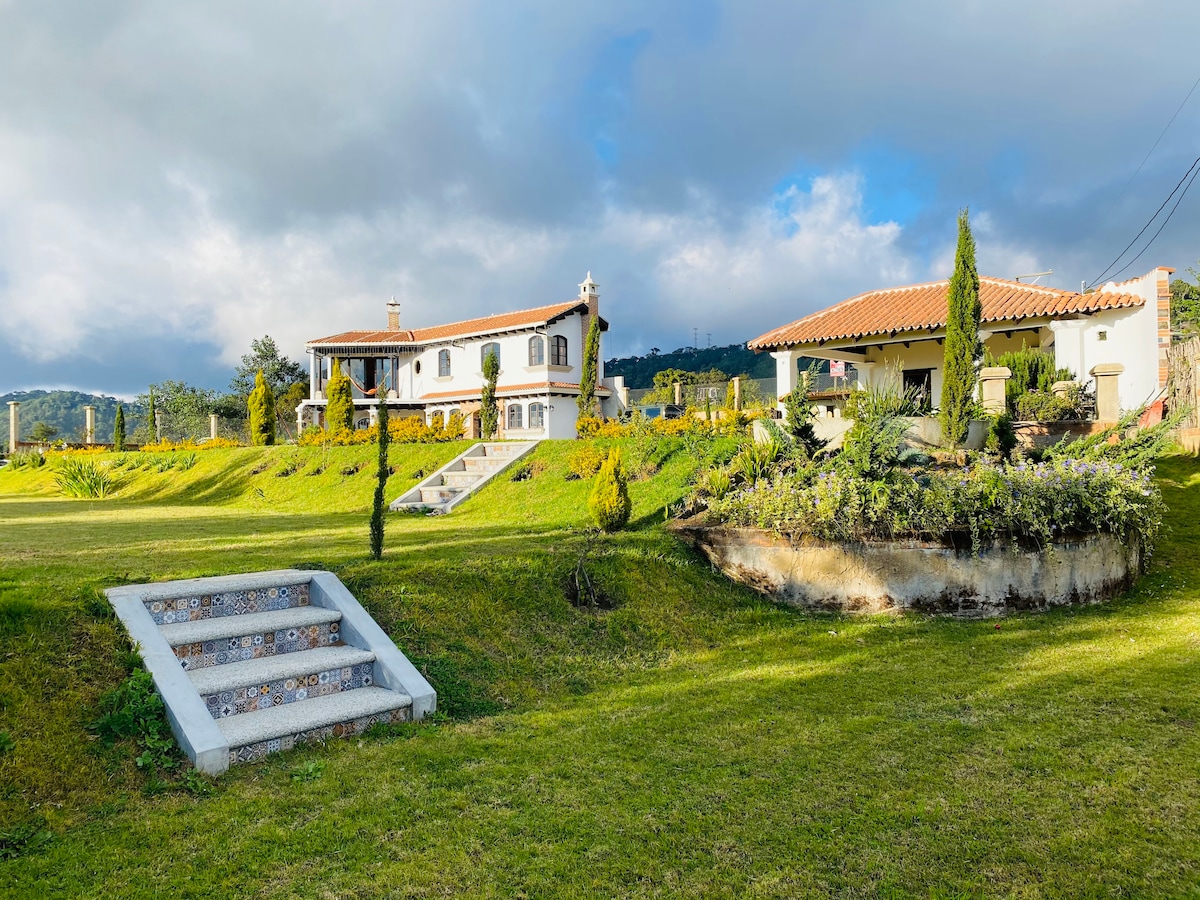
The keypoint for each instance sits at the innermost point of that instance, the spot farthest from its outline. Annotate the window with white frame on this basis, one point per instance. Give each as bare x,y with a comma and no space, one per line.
537,351
443,363
558,351
537,415
437,418
514,415
490,347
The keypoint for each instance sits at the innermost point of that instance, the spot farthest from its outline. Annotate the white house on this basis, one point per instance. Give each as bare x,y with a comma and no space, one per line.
903,329
435,372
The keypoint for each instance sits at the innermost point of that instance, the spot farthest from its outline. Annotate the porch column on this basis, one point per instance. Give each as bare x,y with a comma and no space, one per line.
89,424
1108,400
992,381
866,374
786,375
212,426
314,375
14,425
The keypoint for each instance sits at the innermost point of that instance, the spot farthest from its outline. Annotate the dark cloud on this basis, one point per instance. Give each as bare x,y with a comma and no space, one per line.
188,176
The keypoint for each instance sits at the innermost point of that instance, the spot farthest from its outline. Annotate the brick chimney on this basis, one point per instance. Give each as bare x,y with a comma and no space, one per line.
589,293
393,309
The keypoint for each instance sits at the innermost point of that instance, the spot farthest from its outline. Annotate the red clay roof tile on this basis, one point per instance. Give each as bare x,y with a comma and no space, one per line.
899,310
523,318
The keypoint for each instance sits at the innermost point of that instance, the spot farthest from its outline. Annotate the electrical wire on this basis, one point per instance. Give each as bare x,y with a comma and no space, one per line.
1190,172
1160,227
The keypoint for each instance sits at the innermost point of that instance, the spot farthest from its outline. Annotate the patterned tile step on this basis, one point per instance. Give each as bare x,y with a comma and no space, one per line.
170,610
253,623
272,681
259,749
235,675
291,719
231,639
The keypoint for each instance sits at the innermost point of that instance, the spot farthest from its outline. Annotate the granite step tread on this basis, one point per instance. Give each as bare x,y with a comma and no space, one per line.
252,623
305,715
231,676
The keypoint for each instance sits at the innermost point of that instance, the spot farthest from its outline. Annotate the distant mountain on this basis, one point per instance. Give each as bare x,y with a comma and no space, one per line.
63,411
734,359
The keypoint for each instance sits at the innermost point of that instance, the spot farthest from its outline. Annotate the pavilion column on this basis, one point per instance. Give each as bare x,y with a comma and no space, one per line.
14,425
1108,400
89,424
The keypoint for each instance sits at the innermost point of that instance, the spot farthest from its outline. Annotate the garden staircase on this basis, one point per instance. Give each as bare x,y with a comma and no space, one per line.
251,664
463,476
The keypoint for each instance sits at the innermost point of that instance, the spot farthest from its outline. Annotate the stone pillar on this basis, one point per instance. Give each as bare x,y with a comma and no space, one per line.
212,426
678,394
373,415
1108,400
158,425
737,393
14,425
89,424
1061,388
991,388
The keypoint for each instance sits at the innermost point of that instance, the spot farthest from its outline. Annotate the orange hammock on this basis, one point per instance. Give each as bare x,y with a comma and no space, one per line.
373,391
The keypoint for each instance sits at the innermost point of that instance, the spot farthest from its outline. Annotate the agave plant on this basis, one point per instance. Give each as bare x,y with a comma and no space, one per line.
83,478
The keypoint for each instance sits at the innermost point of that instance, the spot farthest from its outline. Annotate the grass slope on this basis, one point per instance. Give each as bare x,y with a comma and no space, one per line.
694,741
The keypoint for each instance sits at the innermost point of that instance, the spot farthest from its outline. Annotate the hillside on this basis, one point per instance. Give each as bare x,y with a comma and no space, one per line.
62,411
734,359
685,739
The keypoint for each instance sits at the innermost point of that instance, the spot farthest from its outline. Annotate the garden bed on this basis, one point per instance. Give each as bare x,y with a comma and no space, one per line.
886,576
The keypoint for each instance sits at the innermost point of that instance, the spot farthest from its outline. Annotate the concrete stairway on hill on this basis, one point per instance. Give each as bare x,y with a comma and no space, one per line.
251,664
463,476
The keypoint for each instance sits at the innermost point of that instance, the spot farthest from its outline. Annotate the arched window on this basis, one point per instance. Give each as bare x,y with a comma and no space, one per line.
514,415
558,351
443,363
436,419
537,351
537,415
491,347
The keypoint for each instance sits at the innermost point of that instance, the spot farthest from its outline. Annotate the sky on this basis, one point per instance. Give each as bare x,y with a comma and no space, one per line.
177,179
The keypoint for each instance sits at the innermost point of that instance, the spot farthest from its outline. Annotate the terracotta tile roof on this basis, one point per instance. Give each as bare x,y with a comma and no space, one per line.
510,390
510,321
919,307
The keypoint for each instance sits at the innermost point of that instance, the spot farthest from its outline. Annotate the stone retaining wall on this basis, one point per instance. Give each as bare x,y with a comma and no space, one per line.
914,575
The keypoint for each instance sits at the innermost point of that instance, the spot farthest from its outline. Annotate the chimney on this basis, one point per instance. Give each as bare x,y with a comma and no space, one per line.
393,309
589,293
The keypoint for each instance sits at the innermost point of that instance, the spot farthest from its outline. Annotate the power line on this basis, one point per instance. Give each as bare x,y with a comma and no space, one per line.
1190,170
1160,227
1158,140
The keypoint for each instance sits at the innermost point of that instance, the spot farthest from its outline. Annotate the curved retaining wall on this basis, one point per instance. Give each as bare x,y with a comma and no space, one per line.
918,576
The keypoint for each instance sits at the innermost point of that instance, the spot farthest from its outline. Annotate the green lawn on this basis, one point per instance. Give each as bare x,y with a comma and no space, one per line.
693,741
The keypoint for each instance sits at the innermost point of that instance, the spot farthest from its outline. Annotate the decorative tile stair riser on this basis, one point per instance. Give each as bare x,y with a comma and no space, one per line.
251,664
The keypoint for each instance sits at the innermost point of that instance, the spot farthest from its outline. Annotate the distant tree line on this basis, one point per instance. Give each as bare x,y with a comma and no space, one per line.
734,359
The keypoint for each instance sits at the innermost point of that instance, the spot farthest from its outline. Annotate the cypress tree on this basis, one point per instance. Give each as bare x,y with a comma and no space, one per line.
591,368
262,413
339,410
962,349
152,418
489,413
119,430
378,509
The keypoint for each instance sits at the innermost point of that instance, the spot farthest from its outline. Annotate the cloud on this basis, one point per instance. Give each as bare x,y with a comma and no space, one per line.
176,179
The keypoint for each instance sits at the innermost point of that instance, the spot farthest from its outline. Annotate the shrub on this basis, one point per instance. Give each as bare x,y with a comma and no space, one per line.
403,430
1032,369
609,501
489,411
378,506
261,405
339,407
83,478
1044,406
886,399
591,366
26,459
586,461
798,415
1001,438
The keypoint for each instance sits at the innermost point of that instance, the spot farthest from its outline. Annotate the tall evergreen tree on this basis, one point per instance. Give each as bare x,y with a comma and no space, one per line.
119,430
962,349
262,413
379,506
489,412
339,410
152,416
591,367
